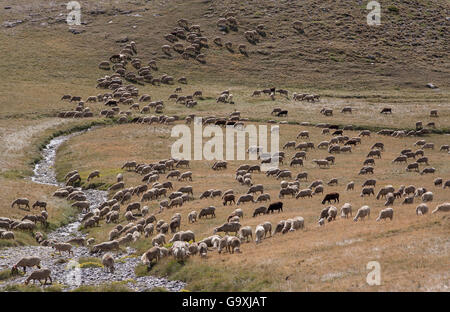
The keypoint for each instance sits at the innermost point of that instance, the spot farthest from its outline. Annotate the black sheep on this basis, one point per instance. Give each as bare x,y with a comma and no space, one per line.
275,206
331,197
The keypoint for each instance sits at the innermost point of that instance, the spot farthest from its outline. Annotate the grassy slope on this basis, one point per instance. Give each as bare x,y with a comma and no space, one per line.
332,257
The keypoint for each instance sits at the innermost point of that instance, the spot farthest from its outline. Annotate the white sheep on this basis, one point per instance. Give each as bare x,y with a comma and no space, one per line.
427,197
445,207
386,213
259,234
362,213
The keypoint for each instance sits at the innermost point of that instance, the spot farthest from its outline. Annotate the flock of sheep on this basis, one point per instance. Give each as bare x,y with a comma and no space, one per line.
130,201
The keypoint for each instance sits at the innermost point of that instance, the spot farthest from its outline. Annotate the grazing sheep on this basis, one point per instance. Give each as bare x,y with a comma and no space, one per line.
367,191
362,213
263,197
437,182
331,197
427,197
60,247
228,227
209,211
428,170
408,200
246,232
153,253
39,275
21,201
39,204
304,193
233,244
346,210
7,235
245,198
259,234
105,246
350,186
275,206
26,262
108,262
386,213
260,210
421,209
445,207
192,217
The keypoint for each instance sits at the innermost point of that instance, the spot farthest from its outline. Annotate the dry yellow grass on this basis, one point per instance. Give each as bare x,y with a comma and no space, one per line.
332,257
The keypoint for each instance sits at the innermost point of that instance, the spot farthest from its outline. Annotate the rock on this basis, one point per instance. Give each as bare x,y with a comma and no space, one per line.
123,39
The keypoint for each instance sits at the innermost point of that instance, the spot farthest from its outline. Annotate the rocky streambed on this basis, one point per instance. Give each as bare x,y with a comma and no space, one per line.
66,269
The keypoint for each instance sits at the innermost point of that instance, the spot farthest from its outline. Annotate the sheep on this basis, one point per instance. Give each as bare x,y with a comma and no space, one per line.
105,246
421,209
42,274
108,262
362,213
148,230
367,191
245,198
260,210
26,262
246,232
384,191
304,193
427,197
331,197
228,198
153,253
409,190
209,211
346,210
256,188
21,201
267,228
332,213
437,182
159,240
24,225
236,213
63,247
113,234
263,197
39,204
259,234
445,207
7,235
428,170
228,227
233,244
386,213
446,184
77,240
93,174
321,162
350,186
408,200
192,217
